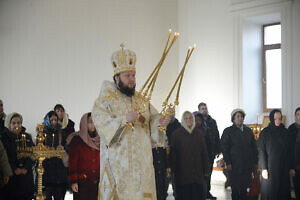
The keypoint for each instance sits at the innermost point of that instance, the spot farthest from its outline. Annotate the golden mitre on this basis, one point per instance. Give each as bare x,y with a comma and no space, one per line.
123,61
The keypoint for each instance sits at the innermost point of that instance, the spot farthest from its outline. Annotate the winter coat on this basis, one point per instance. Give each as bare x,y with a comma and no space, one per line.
171,128
18,185
5,169
274,156
214,136
189,160
84,162
294,140
55,173
239,149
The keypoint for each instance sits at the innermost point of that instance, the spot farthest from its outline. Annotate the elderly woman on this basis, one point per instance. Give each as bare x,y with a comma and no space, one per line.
294,135
274,159
240,154
189,159
84,160
20,185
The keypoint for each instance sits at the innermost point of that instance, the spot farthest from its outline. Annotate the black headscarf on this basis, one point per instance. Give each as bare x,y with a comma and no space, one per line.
272,113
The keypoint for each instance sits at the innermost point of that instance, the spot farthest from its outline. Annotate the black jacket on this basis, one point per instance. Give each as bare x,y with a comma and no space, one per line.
171,128
294,140
239,149
274,156
214,136
19,185
55,172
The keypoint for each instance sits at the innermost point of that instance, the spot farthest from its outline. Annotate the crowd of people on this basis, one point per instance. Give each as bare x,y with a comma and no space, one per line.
121,150
78,171
185,161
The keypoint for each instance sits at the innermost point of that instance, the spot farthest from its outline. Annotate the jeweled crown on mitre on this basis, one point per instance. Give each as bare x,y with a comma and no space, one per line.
123,61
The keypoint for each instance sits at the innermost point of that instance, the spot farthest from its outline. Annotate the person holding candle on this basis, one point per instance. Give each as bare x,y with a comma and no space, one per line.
55,177
126,134
20,185
84,160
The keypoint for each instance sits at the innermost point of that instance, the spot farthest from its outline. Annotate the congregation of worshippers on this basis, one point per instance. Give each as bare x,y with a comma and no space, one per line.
267,166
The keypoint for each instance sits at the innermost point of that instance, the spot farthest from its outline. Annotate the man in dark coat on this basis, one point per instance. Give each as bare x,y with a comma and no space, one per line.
189,159
240,154
275,159
210,126
294,143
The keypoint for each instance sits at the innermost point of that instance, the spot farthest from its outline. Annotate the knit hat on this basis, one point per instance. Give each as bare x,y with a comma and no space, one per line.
236,111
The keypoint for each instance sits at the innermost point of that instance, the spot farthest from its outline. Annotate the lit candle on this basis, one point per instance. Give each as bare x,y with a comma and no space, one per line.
23,141
53,140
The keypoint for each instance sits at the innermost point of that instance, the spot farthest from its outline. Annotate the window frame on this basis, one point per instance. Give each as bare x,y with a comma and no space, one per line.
264,49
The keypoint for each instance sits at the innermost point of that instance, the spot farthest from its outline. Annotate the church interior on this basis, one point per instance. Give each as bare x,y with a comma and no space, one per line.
59,51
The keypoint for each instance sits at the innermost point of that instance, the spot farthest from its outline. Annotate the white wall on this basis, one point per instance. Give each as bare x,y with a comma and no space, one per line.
59,51
209,75
252,71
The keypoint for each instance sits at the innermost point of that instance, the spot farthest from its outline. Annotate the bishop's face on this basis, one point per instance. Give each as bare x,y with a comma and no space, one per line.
126,83
128,79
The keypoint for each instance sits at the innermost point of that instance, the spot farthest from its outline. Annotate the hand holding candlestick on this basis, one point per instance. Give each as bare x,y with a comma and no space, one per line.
168,109
144,95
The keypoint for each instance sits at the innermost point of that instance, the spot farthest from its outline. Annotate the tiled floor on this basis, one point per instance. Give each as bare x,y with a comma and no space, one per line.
217,188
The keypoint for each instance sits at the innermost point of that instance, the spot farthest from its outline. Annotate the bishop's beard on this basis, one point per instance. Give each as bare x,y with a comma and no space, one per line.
125,89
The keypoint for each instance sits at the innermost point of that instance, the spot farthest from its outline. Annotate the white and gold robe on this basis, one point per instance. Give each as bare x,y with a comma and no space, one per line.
126,166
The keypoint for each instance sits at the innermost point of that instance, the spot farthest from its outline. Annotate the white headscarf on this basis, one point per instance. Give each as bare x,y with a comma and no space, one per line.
9,117
183,124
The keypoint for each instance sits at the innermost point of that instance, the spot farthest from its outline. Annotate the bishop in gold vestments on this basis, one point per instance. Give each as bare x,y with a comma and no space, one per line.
126,166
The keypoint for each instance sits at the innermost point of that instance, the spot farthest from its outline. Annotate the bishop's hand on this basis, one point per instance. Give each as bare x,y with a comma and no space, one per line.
164,121
132,116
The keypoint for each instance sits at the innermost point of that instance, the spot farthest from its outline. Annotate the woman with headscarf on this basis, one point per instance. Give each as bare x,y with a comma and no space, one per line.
67,125
294,136
274,159
240,154
55,178
189,159
84,160
20,185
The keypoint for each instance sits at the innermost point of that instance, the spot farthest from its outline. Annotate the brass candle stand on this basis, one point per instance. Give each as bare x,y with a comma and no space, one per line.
169,109
40,152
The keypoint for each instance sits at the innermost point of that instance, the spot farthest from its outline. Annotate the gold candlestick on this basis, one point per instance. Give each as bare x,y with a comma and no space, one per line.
145,93
40,152
168,108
